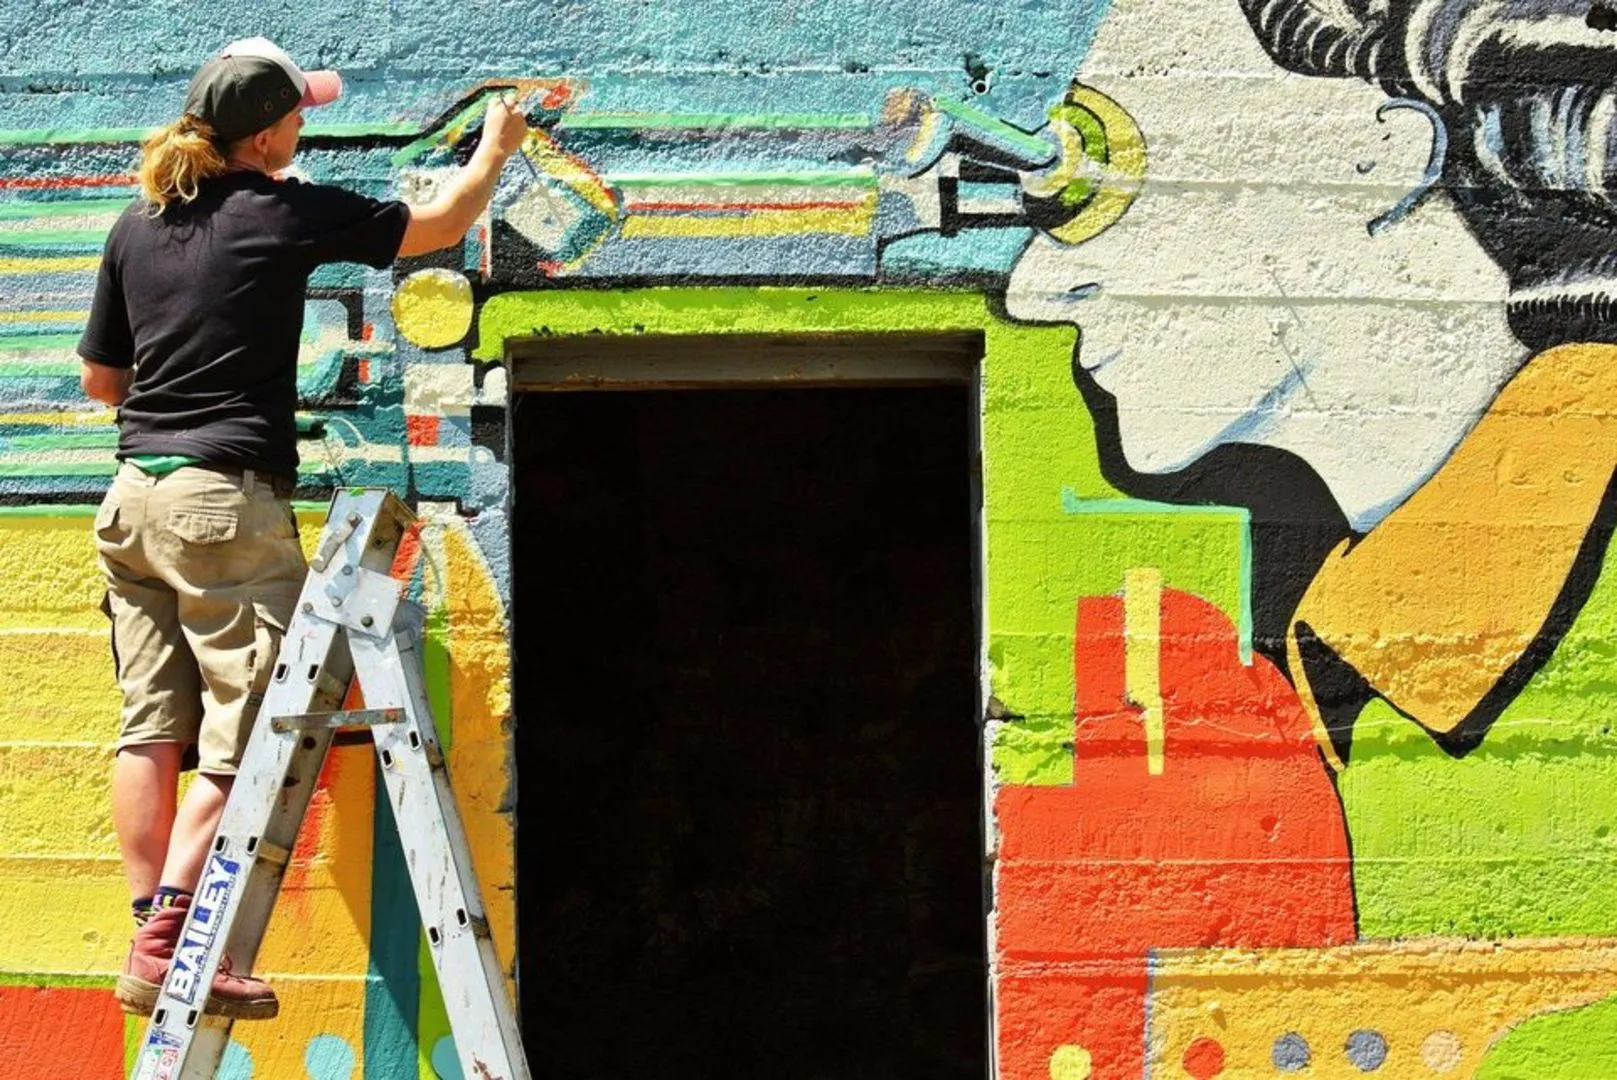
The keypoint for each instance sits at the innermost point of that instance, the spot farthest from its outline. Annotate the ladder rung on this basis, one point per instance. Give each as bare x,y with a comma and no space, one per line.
272,853
329,721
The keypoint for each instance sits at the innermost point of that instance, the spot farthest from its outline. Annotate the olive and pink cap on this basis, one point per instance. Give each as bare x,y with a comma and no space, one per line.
252,83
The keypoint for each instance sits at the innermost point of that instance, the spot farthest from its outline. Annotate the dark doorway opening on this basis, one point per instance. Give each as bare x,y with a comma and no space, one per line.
750,781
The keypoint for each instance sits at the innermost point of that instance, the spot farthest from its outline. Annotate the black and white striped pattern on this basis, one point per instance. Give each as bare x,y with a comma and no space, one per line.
1527,91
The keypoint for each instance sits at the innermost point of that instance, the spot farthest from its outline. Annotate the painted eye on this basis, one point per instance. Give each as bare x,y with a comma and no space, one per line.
1097,176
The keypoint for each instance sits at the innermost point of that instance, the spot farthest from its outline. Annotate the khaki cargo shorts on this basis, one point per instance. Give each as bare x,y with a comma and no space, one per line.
203,568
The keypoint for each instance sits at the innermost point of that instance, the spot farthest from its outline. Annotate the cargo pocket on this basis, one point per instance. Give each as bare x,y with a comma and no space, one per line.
202,524
269,630
112,631
106,517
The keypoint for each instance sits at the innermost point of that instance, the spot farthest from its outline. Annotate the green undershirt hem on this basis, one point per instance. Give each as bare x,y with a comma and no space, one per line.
161,464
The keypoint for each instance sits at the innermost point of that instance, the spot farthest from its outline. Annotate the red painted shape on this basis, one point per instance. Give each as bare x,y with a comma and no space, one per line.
364,371
422,430
1239,842
1204,1059
60,1033
1041,1011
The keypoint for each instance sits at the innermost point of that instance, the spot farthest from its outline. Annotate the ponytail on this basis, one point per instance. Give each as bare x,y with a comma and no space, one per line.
175,159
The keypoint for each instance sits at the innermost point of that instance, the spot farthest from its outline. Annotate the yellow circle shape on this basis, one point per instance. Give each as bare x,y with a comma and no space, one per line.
1442,1051
433,308
1071,1063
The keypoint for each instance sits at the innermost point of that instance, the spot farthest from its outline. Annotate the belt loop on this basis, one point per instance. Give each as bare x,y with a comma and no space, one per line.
247,481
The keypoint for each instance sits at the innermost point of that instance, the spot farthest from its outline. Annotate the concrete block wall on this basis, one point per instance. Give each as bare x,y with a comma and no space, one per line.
1298,456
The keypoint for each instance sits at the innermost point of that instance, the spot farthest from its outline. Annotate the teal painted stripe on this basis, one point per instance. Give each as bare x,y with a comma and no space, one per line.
76,136
851,178
61,208
694,121
1144,506
996,128
39,371
393,988
43,328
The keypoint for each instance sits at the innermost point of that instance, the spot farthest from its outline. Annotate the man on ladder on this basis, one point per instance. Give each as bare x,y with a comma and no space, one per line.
193,332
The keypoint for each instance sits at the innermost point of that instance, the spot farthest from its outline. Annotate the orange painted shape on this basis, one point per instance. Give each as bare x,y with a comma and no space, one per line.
423,430
60,1033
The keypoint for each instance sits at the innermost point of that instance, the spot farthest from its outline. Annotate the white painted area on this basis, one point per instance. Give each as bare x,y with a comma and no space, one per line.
438,389
1242,298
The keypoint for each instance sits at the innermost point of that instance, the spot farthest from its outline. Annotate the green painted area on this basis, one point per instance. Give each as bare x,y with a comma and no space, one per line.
14,343
1519,838
1031,145
1056,529
61,208
75,240
668,121
46,510
432,1017
1577,1044
39,469
1037,570
99,440
53,981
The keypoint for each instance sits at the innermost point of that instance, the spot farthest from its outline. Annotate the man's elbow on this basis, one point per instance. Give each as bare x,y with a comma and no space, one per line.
110,386
430,229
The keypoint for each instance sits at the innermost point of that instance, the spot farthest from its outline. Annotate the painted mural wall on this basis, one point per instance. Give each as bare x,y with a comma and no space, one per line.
1299,453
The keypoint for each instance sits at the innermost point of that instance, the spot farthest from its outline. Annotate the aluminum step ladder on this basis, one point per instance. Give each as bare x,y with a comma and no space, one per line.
349,623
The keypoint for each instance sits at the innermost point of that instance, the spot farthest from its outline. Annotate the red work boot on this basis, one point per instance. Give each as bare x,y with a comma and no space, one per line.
149,956
239,997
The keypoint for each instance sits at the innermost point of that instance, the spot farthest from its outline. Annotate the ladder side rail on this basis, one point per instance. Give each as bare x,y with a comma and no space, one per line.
242,875
487,1036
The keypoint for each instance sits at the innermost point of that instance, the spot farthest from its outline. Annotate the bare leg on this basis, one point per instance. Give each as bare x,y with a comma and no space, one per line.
144,780
194,826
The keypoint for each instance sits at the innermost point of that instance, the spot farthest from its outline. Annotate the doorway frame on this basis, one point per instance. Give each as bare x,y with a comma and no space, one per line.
664,339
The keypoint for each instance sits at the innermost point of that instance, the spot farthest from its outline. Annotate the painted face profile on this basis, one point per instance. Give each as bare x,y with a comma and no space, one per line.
1242,297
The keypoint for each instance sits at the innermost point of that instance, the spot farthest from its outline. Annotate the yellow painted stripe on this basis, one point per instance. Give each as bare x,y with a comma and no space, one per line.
76,912
1142,656
323,917
52,264
58,687
309,1008
41,316
480,700
50,571
55,802
856,222
101,418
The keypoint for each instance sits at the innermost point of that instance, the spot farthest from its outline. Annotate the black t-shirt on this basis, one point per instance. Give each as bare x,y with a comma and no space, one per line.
206,303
